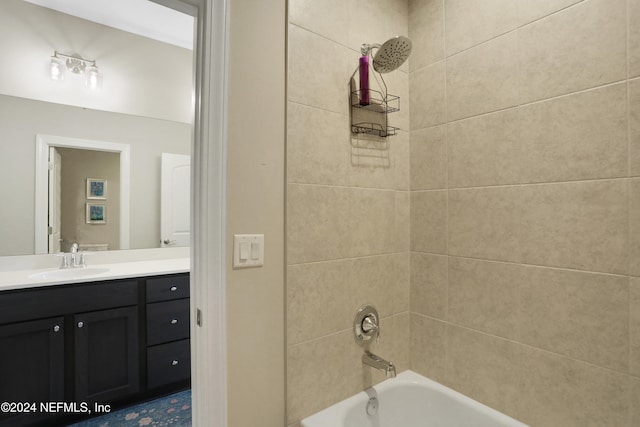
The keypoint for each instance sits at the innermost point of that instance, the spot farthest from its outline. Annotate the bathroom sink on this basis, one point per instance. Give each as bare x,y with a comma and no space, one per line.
68,273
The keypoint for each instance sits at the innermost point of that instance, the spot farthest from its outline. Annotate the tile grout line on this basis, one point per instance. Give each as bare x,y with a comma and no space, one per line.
517,27
447,183
526,184
529,103
629,234
532,347
523,264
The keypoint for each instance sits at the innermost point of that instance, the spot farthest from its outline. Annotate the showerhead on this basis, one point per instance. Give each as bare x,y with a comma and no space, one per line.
392,54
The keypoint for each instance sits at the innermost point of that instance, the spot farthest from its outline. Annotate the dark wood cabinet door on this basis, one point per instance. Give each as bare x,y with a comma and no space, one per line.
106,354
31,366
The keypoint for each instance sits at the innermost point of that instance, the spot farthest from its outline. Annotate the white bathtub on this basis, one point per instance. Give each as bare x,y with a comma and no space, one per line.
410,400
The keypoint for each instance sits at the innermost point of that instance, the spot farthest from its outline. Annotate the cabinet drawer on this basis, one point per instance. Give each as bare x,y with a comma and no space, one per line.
167,288
167,321
168,363
20,305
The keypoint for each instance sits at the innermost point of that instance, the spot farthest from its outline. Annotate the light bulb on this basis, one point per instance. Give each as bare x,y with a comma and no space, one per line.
56,69
93,77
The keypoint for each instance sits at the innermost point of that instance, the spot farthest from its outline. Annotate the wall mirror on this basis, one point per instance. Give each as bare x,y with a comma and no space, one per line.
143,99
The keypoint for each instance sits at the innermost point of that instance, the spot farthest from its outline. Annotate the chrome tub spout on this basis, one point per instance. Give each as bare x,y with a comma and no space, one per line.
377,362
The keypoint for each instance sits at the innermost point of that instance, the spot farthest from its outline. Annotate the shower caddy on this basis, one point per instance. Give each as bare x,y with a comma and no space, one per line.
381,103
373,106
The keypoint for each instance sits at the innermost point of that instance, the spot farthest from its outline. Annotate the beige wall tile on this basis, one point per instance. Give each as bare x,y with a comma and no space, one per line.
634,127
429,347
484,295
317,229
634,38
582,315
381,281
326,18
428,158
429,221
485,223
401,149
427,96
558,391
483,79
485,150
310,385
402,221
484,368
319,71
311,289
371,161
470,22
371,221
531,10
317,146
634,416
380,163
634,224
634,325
426,31
429,285
552,55
576,137
581,225
375,22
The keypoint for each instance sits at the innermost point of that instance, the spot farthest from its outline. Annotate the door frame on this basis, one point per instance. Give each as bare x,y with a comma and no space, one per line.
43,142
208,215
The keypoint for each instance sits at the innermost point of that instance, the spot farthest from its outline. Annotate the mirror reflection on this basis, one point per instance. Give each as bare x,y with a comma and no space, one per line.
85,87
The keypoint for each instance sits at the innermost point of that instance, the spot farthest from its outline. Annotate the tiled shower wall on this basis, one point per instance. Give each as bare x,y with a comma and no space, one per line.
521,209
525,205
347,205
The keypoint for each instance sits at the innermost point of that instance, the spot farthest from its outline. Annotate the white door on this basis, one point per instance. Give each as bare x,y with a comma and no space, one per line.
175,199
55,163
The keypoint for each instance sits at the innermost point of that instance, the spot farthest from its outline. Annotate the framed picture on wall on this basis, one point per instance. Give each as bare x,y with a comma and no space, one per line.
96,189
96,214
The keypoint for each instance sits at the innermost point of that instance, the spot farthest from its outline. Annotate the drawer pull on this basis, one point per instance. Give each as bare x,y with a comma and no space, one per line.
173,288
174,321
80,324
56,328
174,362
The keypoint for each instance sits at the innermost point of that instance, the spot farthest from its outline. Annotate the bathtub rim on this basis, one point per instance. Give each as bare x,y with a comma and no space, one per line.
338,411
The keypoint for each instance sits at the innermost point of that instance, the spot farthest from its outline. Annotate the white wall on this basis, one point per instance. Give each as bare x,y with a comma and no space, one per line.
255,204
140,76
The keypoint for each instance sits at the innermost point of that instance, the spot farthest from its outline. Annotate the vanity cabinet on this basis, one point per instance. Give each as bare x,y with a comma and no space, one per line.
31,364
112,342
168,345
106,354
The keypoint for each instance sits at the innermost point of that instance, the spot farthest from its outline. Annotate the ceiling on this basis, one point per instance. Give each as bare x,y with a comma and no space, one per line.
142,17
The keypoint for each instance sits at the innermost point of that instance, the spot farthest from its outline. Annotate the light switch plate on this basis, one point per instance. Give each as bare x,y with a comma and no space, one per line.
248,250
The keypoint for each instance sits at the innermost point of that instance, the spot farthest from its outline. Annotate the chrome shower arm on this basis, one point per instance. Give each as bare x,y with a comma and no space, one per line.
366,48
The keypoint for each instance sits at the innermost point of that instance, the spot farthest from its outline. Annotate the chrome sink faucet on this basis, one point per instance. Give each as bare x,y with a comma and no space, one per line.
74,260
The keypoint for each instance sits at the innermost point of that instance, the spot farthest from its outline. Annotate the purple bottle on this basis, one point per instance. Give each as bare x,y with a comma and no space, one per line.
364,80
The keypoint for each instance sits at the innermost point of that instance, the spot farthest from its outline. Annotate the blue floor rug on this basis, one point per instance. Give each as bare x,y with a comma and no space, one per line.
170,411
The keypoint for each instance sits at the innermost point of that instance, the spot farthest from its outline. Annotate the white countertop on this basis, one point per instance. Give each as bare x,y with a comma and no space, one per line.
29,274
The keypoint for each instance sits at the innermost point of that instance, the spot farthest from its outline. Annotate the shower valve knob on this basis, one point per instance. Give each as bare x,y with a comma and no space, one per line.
365,324
369,324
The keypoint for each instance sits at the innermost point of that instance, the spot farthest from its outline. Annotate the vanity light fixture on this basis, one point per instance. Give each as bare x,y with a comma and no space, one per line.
77,65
